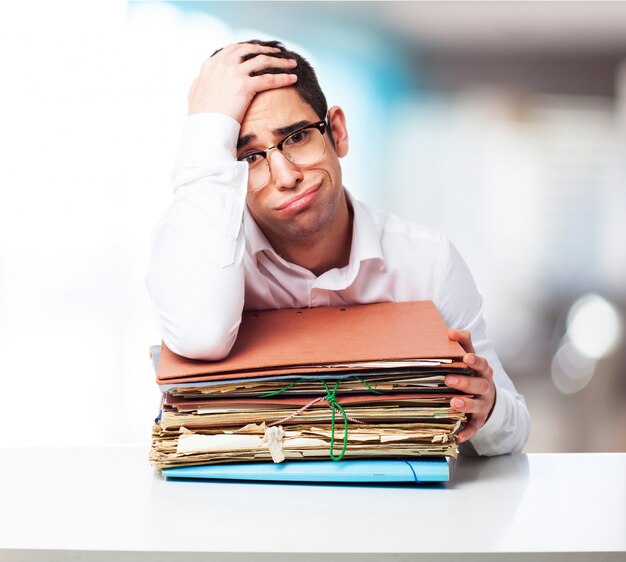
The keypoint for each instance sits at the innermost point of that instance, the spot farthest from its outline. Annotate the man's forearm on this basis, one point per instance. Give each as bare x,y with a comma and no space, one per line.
508,425
195,276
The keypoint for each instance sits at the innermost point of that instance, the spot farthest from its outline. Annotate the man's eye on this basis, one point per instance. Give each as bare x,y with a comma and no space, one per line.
298,138
250,159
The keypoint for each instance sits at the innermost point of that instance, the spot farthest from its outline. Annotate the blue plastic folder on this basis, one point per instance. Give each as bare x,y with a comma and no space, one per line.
374,471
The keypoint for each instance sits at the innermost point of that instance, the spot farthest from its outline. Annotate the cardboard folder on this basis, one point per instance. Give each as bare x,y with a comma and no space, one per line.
296,402
325,339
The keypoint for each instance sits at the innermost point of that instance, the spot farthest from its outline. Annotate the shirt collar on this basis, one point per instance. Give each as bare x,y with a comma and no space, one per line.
365,234
255,239
365,237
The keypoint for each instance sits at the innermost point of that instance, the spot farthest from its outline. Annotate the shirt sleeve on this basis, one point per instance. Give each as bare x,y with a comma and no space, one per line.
195,274
460,304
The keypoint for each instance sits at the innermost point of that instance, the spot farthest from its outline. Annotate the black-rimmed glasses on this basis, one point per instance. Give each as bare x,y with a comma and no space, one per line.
302,148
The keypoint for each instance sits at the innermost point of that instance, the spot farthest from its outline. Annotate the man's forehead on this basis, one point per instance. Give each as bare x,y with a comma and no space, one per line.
275,113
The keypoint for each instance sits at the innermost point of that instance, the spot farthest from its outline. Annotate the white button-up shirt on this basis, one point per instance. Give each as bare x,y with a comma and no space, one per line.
210,261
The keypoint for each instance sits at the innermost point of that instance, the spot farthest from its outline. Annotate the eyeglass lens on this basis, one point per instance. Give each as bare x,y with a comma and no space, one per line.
302,148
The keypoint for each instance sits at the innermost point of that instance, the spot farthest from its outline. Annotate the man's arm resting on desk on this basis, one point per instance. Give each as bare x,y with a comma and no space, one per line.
195,276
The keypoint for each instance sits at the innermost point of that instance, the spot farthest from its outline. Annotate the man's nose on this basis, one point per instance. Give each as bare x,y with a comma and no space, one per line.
285,173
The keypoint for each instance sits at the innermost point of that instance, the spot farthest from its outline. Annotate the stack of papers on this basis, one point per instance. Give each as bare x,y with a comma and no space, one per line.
353,382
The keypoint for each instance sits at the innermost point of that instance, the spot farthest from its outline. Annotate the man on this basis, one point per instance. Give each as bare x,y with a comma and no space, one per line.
261,220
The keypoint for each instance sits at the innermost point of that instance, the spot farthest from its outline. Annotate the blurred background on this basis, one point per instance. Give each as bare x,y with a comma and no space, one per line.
501,125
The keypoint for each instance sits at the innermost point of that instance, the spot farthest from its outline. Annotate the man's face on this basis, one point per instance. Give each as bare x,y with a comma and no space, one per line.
298,203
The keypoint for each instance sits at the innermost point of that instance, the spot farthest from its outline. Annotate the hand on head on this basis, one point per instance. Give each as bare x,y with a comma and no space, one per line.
224,84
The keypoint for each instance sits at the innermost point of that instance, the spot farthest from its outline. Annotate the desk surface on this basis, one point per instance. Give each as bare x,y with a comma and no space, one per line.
109,503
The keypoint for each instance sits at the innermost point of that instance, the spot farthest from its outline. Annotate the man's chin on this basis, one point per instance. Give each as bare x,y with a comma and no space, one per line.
306,230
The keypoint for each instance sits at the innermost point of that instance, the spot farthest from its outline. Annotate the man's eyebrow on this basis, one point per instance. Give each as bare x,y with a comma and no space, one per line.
281,131
243,141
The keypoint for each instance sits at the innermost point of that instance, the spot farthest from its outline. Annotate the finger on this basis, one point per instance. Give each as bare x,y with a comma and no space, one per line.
469,405
246,48
262,62
479,365
469,430
477,386
256,46
248,52
236,51
463,337
269,81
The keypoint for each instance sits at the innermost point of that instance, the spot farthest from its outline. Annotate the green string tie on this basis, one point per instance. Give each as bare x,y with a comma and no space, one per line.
334,405
330,398
281,390
368,386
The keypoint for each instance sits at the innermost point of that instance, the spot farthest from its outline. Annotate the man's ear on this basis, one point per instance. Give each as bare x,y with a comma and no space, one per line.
337,121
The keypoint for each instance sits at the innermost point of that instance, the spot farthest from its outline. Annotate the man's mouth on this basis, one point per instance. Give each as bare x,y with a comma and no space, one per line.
300,200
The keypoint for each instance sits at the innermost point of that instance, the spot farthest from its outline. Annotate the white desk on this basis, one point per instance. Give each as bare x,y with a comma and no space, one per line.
109,504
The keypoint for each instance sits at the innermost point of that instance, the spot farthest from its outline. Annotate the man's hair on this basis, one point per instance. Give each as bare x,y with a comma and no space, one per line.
307,85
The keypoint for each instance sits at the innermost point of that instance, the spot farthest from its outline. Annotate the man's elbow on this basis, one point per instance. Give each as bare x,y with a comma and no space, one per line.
210,344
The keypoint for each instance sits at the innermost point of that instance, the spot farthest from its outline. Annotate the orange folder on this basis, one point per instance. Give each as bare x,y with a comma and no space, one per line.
325,339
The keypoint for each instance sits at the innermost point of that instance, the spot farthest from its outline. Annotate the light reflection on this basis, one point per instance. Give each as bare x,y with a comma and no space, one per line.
594,326
571,370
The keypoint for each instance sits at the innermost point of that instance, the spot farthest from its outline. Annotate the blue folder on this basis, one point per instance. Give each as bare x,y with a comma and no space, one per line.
375,471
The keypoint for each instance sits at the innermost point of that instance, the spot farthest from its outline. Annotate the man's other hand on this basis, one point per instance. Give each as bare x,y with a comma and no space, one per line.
480,385
224,84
